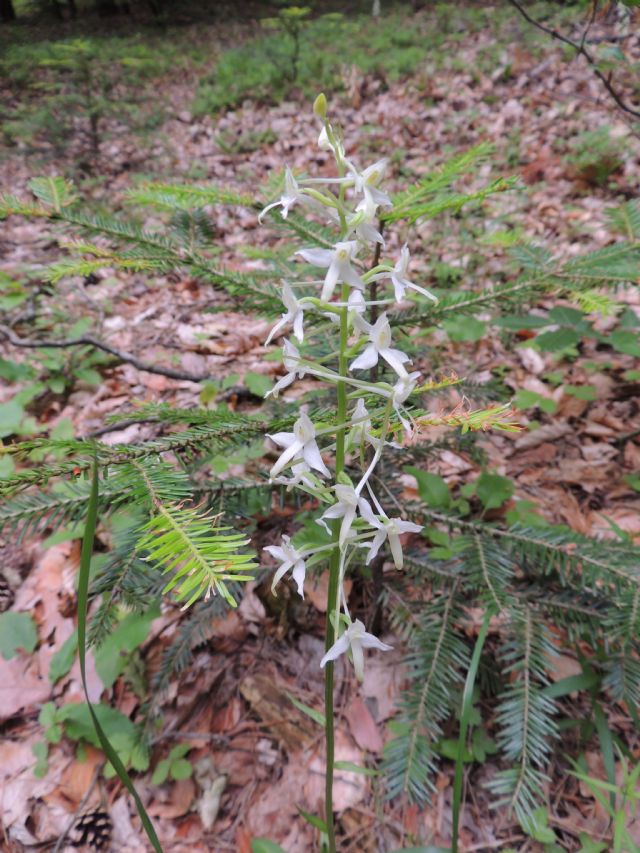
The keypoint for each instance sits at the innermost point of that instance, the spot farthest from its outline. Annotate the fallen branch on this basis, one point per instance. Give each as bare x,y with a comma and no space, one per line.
88,341
581,50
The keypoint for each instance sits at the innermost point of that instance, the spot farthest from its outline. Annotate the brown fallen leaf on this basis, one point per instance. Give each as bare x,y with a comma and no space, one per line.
316,590
75,781
362,726
548,432
22,685
349,788
175,801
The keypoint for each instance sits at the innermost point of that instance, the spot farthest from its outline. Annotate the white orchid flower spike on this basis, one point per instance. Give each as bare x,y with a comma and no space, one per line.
290,559
338,261
380,345
355,639
299,444
398,276
294,315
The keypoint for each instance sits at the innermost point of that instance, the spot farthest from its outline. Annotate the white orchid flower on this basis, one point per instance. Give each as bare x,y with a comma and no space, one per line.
292,194
403,388
398,276
291,359
290,559
338,260
300,478
380,345
362,225
324,144
349,502
294,315
366,182
356,303
391,529
360,432
299,444
355,639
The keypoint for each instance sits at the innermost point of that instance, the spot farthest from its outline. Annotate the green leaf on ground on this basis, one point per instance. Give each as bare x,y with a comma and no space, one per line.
432,489
63,659
17,631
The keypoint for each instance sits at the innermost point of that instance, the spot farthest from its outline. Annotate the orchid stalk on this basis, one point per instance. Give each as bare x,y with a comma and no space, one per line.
321,460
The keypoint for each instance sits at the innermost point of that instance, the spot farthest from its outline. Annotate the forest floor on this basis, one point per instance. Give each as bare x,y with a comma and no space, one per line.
255,763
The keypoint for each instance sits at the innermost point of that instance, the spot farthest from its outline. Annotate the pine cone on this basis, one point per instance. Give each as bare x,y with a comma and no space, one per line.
92,829
6,594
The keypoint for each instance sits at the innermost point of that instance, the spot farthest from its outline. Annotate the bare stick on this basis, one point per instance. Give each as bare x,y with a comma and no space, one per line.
581,50
88,341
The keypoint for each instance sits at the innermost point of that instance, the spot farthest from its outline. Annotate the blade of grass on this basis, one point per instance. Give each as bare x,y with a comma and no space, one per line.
606,746
83,597
465,717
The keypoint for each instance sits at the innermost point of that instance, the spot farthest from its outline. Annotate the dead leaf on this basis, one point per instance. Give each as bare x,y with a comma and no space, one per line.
349,788
362,726
179,797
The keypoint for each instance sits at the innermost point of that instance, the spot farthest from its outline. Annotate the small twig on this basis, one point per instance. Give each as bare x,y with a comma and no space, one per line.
88,341
590,22
115,427
627,436
582,51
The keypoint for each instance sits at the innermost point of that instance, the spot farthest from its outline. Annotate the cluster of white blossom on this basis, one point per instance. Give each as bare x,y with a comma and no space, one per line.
351,202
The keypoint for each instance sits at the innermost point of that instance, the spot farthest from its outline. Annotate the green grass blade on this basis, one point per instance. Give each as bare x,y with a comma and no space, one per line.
606,745
465,717
83,596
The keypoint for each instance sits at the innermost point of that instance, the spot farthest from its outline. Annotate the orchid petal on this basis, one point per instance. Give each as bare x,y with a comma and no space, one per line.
358,659
286,457
367,358
423,291
282,439
284,568
317,257
266,209
276,551
331,279
298,326
279,325
376,544
396,550
367,513
395,358
298,576
335,511
338,648
311,455
368,641
286,380
345,527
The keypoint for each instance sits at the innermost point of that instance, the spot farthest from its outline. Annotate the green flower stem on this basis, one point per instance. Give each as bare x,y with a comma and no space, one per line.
326,200
334,579
378,268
